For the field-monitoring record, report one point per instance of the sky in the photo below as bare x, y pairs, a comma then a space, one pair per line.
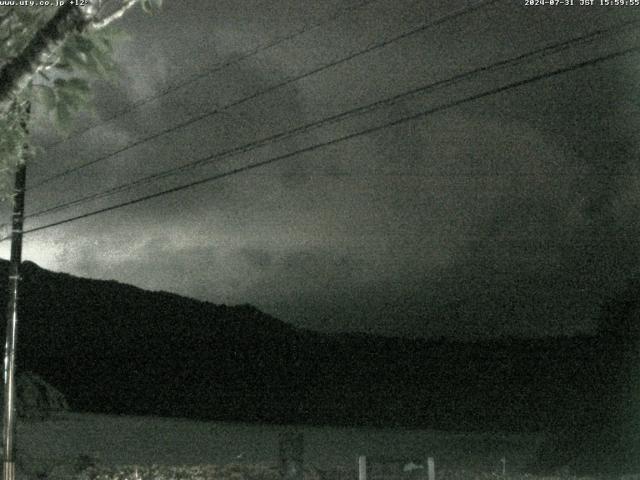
513, 214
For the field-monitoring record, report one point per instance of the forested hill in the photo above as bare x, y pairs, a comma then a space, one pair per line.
119, 349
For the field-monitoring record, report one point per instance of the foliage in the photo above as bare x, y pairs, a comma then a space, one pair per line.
60, 86
18, 26
265, 472
184, 472
13, 143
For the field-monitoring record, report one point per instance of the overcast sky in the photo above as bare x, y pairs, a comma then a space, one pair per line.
513, 214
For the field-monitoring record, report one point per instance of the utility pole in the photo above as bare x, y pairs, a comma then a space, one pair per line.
9, 416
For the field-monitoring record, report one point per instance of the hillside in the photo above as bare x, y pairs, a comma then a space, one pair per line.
114, 348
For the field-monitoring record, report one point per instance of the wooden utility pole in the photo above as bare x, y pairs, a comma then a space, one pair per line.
9, 416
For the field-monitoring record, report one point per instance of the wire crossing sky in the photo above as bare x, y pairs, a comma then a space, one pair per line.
303, 128
460, 168
193, 78
311, 148
269, 89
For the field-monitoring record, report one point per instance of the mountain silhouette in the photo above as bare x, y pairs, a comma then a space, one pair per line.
115, 348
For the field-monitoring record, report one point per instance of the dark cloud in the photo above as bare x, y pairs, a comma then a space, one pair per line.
514, 214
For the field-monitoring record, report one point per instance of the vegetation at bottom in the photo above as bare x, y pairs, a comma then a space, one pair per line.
266, 472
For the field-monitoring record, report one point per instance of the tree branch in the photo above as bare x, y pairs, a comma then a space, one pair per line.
69, 18
15, 74
126, 5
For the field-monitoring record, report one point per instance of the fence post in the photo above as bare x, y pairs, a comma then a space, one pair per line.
291, 456
362, 467
431, 468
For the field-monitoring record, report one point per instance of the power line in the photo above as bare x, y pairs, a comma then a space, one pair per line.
555, 47
272, 88
317, 146
219, 66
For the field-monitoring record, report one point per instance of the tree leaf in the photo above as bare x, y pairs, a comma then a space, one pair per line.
46, 96
72, 56
64, 66
79, 84
84, 44
63, 116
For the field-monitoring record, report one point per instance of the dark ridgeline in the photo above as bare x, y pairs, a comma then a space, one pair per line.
114, 348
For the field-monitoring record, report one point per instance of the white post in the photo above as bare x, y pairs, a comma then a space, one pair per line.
362, 467
431, 468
